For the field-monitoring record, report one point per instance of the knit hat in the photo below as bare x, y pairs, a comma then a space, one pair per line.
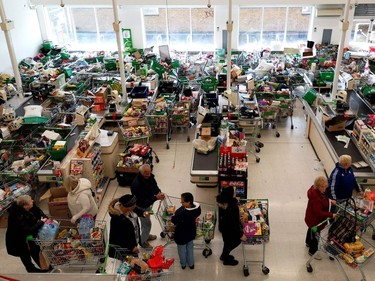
128, 200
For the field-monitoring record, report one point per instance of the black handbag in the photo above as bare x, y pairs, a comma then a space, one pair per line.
344, 228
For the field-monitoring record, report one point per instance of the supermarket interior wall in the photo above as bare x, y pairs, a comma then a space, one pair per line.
26, 35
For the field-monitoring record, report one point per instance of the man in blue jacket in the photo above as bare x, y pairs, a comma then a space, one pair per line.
147, 191
342, 180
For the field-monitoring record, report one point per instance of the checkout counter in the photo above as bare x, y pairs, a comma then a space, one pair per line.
204, 167
325, 143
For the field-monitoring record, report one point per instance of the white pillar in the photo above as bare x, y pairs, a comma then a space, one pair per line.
229, 44
116, 27
6, 26
344, 28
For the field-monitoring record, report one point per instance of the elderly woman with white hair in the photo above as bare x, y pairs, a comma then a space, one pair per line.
24, 220
80, 199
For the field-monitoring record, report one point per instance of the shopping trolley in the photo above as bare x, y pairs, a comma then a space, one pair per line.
134, 129
269, 109
70, 250
205, 223
157, 117
355, 258
130, 267
254, 217
286, 105
179, 116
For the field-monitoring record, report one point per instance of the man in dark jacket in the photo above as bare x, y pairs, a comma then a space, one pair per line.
342, 180
146, 189
24, 220
124, 227
186, 228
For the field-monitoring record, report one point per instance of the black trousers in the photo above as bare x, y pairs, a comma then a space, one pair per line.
228, 247
312, 241
32, 253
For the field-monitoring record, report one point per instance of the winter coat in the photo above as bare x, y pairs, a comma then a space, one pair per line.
341, 183
230, 224
317, 208
184, 220
81, 201
22, 223
145, 190
122, 232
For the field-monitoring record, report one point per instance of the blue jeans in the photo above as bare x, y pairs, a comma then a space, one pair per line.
185, 252
145, 228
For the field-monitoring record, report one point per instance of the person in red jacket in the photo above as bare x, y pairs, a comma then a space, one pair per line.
317, 211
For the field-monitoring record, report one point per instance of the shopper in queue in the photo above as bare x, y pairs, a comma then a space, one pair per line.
147, 191
80, 198
124, 226
229, 224
342, 180
24, 219
317, 211
186, 228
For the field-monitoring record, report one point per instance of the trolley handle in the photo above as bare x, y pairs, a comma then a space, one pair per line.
314, 229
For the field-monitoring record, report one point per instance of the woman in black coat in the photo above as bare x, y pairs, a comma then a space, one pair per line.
124, 226
24, 220
229, 224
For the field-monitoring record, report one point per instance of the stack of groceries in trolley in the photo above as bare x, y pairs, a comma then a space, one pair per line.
205, 223
254, 218
151, 264
64, 244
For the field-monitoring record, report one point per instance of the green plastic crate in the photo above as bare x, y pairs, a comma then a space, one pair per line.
209, 84
59, 154
310, 96
327, 75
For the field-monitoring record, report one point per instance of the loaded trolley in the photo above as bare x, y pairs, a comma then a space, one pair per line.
269, 109
157, 117
134, 129
205, 223
154, 264
254, 218
354, 254
286, 105
66, 246
179, 116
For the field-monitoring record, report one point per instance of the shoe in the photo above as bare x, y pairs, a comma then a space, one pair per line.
191, 266
230, 257
318, 257
183, 267
230, 262
146, 245
151, 237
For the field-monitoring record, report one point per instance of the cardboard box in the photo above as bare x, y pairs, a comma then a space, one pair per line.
4, 221
336, 127
57, 203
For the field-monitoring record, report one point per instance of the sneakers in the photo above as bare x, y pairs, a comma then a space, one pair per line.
231, 262
191, 266
183, 266
151, 237
146, 245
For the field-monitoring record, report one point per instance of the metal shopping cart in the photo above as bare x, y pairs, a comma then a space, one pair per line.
127, 268
134, 129
205, 224
343, 255
269, 109
70, 250
254, 216
179, 116
286, 105
157, 117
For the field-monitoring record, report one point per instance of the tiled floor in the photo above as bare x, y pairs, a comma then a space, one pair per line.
287, 169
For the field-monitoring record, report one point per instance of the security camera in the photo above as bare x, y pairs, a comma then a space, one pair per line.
62, 5
208, 5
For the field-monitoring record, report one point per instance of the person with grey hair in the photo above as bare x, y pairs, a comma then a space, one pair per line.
342, 180
147, 191
24, 220
80, 199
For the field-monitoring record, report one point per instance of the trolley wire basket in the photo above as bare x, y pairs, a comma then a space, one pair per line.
206, 223
143, 266
69, 249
